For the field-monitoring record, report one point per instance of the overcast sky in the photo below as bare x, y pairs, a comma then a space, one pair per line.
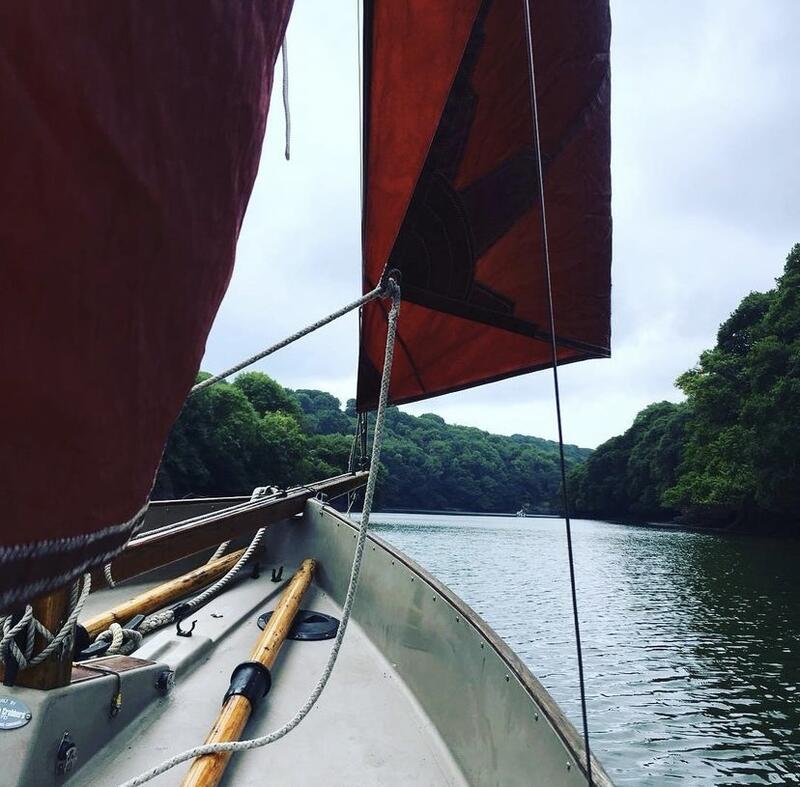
706, 204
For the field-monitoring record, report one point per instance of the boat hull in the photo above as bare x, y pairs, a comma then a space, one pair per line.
424, 692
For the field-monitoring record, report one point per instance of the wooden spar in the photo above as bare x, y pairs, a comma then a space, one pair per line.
207, 771
160, 548
163, 594
52, 611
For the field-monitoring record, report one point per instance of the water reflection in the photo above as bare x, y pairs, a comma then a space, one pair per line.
691, 640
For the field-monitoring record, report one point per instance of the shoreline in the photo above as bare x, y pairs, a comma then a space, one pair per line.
693, 527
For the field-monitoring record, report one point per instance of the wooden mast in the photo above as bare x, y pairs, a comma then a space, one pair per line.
207, 771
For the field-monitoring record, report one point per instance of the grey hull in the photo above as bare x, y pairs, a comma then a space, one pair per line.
424, 692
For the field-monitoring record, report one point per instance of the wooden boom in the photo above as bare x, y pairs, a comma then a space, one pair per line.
207, 771
164, 546
163, 594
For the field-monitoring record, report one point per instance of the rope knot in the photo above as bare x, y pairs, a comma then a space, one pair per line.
30, 627
123, 641
390, 284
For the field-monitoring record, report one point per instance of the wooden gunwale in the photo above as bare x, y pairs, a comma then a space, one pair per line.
167, 545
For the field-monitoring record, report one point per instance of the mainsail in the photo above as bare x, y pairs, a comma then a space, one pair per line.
451, 194
130, 141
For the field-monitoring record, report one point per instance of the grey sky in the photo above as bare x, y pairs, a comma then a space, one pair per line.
705, 128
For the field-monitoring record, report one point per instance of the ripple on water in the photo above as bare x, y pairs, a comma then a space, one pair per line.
691, 640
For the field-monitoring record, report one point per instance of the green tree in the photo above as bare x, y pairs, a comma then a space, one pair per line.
743, 452
231, 438
627, 475
214, 447
268, 396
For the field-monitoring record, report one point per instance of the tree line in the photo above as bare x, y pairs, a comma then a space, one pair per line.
730, 453
232, 437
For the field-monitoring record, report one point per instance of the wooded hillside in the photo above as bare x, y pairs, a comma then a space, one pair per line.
233, 437
730, 453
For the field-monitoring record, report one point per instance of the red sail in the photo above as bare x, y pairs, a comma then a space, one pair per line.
130, 140
452, 196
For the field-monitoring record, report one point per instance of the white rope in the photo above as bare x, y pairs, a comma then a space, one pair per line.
31, 627
234, 746
107, 574
258, 492
123, 641
126, 641
224, 581
287, 116
219, 552
370, 296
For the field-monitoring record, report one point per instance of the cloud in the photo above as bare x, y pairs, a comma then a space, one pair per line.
706, 196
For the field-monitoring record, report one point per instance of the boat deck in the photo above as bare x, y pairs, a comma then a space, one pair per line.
366, 727
423, 693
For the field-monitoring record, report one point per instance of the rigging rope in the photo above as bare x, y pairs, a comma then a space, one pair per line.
378, 292
124, 641
245, 745
554, 351
286, 115
109, 576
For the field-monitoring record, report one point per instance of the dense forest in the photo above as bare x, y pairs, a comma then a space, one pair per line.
730, 453
235, 436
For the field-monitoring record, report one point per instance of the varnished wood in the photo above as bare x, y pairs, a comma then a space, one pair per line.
52, 611
207, 771
160, 596
152, 550
274, 634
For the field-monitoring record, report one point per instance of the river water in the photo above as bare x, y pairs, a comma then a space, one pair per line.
691, 641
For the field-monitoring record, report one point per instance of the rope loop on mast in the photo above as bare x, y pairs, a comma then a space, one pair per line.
30, 627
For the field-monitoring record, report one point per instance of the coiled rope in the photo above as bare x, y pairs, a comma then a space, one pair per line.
30, 627
255, 743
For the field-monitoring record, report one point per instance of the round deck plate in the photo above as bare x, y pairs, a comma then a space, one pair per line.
14, 713
308, 625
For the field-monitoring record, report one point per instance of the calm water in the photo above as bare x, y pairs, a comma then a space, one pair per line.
691, 640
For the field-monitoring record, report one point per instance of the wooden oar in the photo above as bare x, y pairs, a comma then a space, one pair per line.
160, 596
250, 678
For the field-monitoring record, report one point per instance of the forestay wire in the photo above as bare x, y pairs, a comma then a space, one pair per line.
390, 288
554, 351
